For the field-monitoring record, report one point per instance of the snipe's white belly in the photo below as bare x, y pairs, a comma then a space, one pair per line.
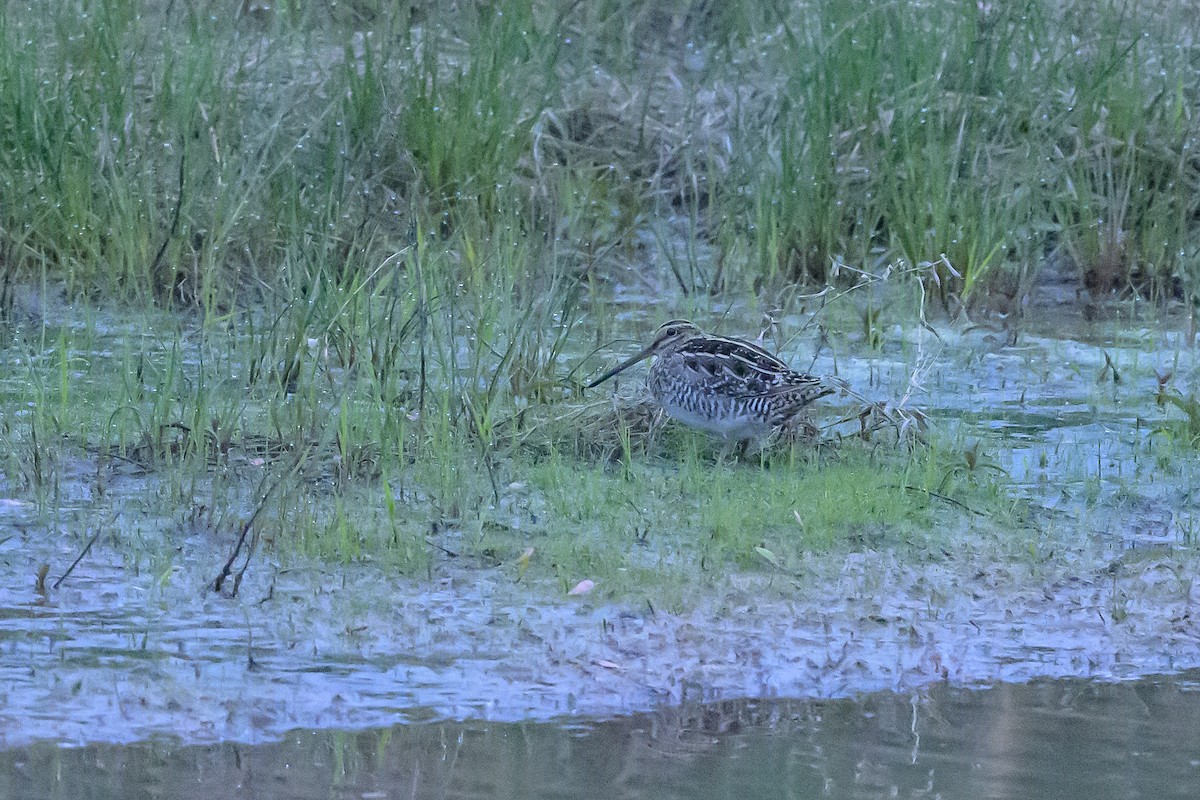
728, 422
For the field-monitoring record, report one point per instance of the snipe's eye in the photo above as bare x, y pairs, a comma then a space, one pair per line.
672, 331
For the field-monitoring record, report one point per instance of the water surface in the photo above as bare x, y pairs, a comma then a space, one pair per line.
1058, 740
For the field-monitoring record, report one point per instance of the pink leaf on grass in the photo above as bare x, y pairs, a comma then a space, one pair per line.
583, 587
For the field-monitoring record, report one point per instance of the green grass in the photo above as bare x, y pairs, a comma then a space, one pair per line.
156, 154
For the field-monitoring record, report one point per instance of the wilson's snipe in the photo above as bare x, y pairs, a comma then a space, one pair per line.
728, 387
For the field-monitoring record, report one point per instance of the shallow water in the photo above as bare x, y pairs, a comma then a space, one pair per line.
1057, 740
1050, 416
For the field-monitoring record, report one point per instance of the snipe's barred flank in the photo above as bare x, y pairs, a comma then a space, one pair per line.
724, 386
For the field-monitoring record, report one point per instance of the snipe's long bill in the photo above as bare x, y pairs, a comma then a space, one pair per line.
728, 387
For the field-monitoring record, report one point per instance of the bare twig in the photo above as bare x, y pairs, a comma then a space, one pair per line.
944, 498
91, 541
247, 526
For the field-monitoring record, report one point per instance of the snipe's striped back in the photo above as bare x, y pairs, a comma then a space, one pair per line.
724, 386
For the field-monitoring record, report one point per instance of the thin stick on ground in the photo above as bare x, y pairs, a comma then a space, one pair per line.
91, 541
244, 534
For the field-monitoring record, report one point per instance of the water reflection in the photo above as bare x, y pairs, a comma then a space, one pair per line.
1053, 739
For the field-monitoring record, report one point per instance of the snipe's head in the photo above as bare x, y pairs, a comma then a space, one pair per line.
669, 335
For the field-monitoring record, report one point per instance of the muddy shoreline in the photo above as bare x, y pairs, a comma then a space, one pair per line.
472, 645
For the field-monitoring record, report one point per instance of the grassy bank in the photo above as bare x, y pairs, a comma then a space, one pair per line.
114, 425
157, 152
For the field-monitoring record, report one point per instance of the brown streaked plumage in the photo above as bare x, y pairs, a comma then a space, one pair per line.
724, 386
